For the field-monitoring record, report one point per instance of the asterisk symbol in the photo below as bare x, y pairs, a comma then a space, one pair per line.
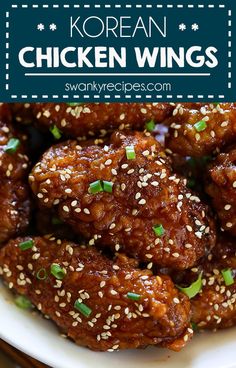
195, 27
53, 27
40, 27
182, 27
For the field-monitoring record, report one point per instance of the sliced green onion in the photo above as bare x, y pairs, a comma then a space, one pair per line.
82, 308
133, 296
55, 132
22, 302
56, 221
193, 289
194, 326
12, 145
107, 186
200, 125
42, 274
130, 152
26, 244
96, 187
150, 125
158, 230
191, 183
74, 103
57, 271
228, 276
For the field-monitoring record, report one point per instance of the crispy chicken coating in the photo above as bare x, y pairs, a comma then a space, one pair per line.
90, 119
198, 129
101, 304
221, 186
215, 306
139, 205
14, 195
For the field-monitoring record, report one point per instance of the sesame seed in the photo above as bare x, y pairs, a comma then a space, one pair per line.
86, 211
68, 190
108, 162
142, 202
188, 246
155, 183
113, 292
66, 209
117, 247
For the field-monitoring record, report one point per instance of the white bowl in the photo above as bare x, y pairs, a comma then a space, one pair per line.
39, 338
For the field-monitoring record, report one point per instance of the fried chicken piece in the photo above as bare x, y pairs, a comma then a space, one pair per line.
90, 119
215, 306
216, 127
144, 209
221, 186
101, 304
14, 194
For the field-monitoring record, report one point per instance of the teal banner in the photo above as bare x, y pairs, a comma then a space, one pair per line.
117, 50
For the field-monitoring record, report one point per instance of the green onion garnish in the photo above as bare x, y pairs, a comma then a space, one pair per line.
107, 186
191, 183
133, 296
12, 145
193, 289
130, 152
82, 308
228, 276
194, 326
96, 187
200, 126
22, 302
42, 274
57, 271
150, 125
56, 221
55, 132
26, 244
159, 230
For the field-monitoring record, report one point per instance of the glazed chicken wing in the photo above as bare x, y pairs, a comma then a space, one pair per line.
215, 306
221, 186
90, 119
125, 196
101, 304
14, 196
198, 129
